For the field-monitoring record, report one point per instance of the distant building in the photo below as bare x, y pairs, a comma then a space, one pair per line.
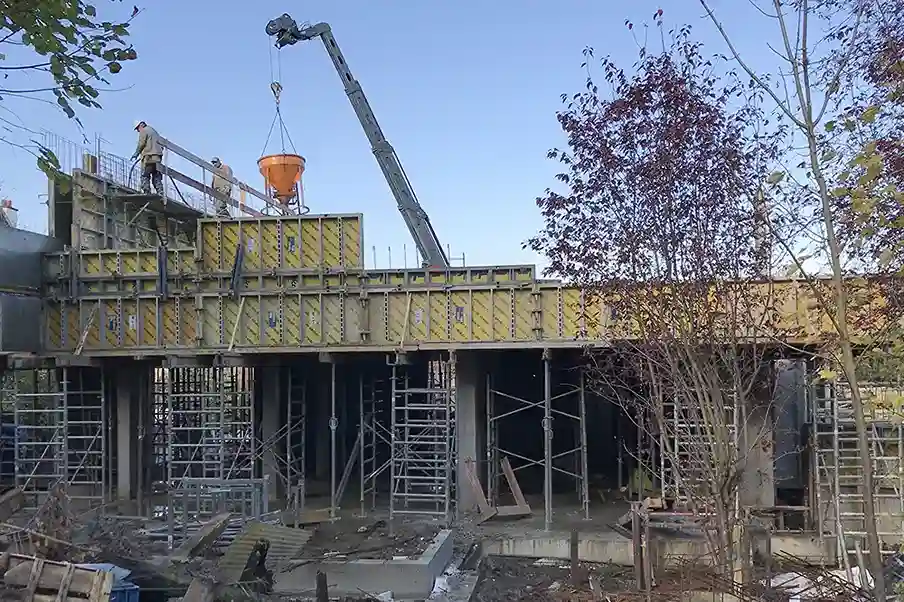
9, 215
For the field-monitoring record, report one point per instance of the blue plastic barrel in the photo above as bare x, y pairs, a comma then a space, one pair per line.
123, 590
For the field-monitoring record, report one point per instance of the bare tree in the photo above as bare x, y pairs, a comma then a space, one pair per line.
838, 87
663, 221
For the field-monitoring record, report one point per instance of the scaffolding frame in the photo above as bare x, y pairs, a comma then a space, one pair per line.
422, 450
61, 435
682, 432
296, 438
375, 437
548, 404
211, 445
837, 470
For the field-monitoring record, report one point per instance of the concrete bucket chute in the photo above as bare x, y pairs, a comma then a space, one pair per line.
282, 171
282, 175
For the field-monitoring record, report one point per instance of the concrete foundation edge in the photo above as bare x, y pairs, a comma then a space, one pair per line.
405, 578
618, 550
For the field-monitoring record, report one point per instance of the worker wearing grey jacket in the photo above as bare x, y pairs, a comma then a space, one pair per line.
222, 184
151, 153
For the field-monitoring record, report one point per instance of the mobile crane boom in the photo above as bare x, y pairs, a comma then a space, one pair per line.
287, 33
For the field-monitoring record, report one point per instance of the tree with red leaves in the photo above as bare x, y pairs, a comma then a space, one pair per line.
664, 219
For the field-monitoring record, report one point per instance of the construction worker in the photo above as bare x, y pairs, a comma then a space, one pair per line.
151, 153
222, 184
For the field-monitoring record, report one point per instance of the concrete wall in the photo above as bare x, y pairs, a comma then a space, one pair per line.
20, 288
20, 323
20, 259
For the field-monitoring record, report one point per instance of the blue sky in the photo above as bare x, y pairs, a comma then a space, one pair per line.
465, 91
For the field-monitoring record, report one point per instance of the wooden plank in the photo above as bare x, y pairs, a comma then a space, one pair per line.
521, 507
200, 590
486, 512
63, 592
11, 501
513, 485
48, 575
204, 538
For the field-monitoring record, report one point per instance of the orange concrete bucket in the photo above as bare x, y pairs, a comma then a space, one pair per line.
281, 174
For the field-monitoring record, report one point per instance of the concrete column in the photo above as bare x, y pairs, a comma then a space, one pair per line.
758, 480
126, 382
470, 407
757, 487
789, 402
271, 419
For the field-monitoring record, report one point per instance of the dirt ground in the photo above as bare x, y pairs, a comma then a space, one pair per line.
367, 538
545, 580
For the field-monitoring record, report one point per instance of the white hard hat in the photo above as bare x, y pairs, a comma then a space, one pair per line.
138, 123
215, 160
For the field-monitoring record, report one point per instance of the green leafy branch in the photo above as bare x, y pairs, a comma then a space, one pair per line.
76, 46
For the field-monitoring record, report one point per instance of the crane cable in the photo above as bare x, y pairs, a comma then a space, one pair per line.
276, 88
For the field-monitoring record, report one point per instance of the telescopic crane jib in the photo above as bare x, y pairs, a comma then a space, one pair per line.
287, 33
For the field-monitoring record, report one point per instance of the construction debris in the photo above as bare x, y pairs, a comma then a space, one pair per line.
33, 579
260, 544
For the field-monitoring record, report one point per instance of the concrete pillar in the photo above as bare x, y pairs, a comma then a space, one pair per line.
789, 402
757, 486
470, 420
271, 420
126, 383
758, 480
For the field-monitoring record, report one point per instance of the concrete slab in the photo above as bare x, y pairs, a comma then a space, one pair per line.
406, 578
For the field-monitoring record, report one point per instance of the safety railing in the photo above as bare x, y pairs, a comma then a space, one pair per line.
187, 177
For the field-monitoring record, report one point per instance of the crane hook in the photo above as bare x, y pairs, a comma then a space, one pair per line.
276, 88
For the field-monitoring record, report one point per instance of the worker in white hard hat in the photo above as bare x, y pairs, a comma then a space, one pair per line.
222, 185
151, 153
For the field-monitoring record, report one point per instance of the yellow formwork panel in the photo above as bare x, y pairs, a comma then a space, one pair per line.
116, 264
468, 276
282, 243
388, 319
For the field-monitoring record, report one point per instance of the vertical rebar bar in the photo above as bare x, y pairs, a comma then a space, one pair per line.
547, 441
